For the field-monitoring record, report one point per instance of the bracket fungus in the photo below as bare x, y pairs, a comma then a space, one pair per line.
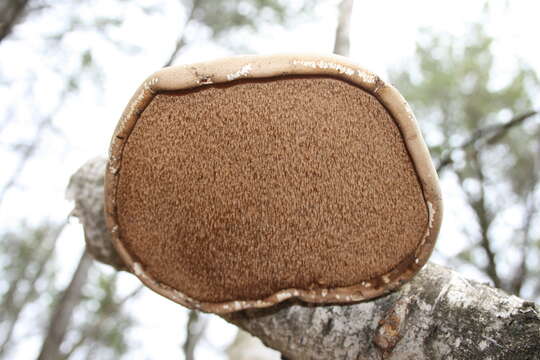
243, 182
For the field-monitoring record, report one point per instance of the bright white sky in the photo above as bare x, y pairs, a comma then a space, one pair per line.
383, 36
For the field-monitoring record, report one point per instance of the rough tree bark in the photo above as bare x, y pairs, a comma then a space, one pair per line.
437, 315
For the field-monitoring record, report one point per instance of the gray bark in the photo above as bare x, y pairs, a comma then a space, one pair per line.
437, 315
86, 189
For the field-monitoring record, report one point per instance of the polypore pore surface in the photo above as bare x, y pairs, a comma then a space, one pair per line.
240, 190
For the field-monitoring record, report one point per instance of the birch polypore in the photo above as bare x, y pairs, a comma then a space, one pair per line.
243, 182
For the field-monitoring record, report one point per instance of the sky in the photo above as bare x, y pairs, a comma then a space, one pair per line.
383, 37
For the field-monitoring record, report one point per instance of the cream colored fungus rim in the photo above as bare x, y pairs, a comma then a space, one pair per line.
255, 67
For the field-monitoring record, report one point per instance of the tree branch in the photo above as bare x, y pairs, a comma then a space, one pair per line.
30, 149
522, 270
485, 219
181, 41
531, 210
485, 136
436, 315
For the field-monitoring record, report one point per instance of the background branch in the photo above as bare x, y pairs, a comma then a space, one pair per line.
30, 149
181, 40
488, 135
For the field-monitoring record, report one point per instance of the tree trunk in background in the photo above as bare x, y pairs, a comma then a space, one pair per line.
63, 312
437, 315
341, 44
11, 12
195, 327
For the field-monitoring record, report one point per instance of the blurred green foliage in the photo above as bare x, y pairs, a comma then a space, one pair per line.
28, 269
462, 95
101, 327
29, 286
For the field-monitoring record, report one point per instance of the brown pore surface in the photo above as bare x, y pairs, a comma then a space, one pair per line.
237, 191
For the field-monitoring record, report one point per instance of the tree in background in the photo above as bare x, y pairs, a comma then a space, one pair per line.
484, 133
30, 272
